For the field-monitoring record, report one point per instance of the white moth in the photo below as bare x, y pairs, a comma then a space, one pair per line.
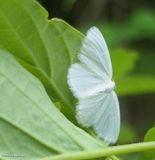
91, 83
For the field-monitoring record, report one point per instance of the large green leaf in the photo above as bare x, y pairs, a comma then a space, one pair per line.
45, 46
30, 124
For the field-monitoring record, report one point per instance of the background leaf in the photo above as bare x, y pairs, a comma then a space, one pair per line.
127, 134
129, 75
123, 62
150, 136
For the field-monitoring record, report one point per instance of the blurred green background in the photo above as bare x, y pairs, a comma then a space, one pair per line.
129, 30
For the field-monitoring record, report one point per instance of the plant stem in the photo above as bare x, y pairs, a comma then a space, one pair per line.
113, 158
114, 150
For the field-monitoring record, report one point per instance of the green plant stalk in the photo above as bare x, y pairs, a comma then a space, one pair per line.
114, 150
113, 158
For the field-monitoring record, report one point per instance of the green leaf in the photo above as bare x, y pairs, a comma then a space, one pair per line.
136, 84
130, 80
145, 64
150, 136
30, 124
127, 134
123, 62
47, 47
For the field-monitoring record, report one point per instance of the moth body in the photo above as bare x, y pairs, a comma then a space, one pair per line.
109, 87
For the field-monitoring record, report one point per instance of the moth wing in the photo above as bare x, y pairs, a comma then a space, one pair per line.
94, 53
107, 125
83, 82
102, 113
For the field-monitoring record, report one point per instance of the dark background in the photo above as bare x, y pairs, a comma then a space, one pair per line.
79, 12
